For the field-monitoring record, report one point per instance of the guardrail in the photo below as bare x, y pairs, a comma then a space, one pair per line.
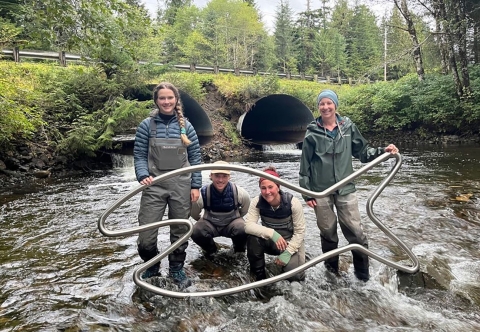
215, 293
64, 57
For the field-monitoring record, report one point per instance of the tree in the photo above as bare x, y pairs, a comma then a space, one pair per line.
234, 30
187, 21
251, 3
8, 8
307, 27
172, 7
399, 46
284, 39
330, 52
340, 21
417, 51
452, 24
364, 44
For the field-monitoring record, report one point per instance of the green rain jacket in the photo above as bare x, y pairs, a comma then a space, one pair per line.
326, 160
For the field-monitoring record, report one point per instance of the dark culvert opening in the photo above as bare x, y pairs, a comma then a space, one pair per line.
275, 119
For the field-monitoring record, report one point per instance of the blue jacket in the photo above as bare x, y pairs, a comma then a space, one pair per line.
165, 130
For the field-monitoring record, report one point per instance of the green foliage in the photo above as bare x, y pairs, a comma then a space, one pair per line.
19, 99
191, 83
95, 131
436, 101
79, 141
121, 116
248, 88
233, 30
79, 110
8, 32
408, 105
471, 103
284, 37
231, 133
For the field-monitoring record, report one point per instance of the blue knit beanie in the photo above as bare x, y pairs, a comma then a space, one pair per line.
328, 94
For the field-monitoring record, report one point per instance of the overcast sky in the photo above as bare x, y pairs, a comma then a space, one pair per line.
266, 7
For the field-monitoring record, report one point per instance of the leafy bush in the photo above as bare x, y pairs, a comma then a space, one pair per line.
231, 133
19, 100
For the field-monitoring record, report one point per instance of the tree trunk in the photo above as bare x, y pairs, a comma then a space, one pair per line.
443, 16
461, 34
476, 43
417, 52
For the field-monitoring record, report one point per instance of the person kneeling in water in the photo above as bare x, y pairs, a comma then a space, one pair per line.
281, 232
224, 204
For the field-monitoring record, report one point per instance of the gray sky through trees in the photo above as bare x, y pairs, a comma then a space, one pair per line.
267, 8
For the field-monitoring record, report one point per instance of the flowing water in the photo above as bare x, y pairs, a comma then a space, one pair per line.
58, 273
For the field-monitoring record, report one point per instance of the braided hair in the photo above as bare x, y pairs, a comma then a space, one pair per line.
178, 109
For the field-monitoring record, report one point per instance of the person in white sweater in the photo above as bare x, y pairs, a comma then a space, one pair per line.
281, 231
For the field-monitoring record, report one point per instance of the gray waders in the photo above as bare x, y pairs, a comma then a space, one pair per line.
165, 155
214, 224
258, 247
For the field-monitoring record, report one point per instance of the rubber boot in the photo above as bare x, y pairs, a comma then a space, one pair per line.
332, 266
178, 275
152, 271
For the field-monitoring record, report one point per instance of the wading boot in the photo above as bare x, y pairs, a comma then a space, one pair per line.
152, 271
332, 267
362, 274
178, 275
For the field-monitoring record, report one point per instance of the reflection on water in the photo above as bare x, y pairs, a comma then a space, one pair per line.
59, 273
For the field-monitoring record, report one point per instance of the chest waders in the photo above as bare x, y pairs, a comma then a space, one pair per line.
226, 221
164, 155
281, 221
221, 219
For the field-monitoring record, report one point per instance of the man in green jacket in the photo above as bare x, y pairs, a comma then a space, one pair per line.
329, 144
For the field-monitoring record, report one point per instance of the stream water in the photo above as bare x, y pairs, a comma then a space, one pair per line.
58, 273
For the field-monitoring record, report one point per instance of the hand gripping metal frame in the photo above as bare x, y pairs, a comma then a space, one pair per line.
137, 272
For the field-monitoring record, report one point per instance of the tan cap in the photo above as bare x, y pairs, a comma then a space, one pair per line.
223, 171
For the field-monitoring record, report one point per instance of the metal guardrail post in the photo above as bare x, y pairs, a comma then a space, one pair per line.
138, 271
62, 59
16, 54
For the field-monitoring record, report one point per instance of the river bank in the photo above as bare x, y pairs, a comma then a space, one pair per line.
37, 158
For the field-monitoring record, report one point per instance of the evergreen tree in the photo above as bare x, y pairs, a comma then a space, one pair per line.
8, 9
307, 27
342, 17
234, 30
399, 60
285, 46
172, 7
364, 45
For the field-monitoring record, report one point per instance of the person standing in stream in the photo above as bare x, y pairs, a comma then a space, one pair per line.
329, 144
166, 141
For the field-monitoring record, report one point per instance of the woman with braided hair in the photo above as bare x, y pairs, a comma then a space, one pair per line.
166, 141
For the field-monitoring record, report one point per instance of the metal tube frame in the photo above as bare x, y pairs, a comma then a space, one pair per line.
137, 272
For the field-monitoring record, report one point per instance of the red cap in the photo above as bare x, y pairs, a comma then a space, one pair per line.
271, 172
